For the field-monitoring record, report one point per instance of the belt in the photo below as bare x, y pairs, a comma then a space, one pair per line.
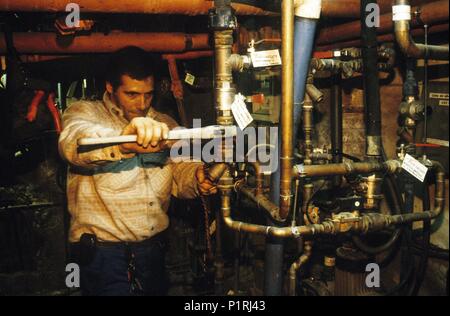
158, 238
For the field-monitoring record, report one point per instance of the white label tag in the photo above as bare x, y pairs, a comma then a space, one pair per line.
443, 102
434, 95
190, 79
401, 13
240, 112
266, 58
415, 168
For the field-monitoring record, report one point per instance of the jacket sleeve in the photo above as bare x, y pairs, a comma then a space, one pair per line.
185, 184
81, 120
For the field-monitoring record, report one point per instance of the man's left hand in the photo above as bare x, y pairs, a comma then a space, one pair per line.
205, 185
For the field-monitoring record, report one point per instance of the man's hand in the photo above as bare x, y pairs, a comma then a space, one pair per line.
151, 136
205, 185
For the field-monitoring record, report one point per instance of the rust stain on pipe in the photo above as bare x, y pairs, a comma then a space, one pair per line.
184, 7
50, 43
431, 13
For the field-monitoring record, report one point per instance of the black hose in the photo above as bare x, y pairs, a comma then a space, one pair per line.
370, 70
426, 235
407, 256
398, 209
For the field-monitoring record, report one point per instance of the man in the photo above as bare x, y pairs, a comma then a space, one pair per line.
118, 195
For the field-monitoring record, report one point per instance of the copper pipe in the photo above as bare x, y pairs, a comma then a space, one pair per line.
385, 38
345, 168
259, 176
189, 55
307, 110
341, 223
376, 221
191, 7
330, 8
224, 88
50, 43
261, 201
287, 109
296, 265
431, 13
412, 49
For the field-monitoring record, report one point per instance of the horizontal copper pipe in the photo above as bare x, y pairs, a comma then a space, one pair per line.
438, 28
183, 7
345, 168
366, 223
50, 43
431, 13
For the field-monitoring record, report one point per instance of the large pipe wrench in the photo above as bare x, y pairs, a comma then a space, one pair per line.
208, 132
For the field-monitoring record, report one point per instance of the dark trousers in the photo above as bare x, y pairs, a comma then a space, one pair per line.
122, 269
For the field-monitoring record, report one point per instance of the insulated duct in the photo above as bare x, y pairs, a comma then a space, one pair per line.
51, 43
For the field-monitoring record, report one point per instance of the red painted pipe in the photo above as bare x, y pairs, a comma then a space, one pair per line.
182, 7
50, 43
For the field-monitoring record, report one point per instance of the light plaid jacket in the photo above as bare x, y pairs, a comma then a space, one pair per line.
129, 204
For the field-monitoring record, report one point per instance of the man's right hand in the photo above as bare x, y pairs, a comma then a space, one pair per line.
151, 136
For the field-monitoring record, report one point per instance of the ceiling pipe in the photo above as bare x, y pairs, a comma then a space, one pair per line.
331, 8
430, 13
50, 43
182, 7
350, 8
439, 28
401, 17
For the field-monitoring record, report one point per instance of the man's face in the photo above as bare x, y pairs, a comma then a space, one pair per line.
133, 96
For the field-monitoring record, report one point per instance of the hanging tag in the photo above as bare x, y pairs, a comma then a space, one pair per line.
414, 167
189, 79
240, 112
266, 58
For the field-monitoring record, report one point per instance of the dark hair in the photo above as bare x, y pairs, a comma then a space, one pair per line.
132, 61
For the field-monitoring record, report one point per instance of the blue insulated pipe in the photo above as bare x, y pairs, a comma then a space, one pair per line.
304, 32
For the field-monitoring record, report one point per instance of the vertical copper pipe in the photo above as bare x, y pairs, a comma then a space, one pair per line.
296, 265
308, 128
225, 90
287, 110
